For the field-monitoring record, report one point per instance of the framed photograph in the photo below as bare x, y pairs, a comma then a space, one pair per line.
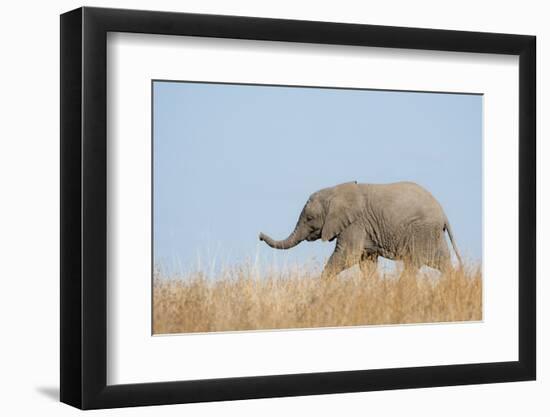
257, 208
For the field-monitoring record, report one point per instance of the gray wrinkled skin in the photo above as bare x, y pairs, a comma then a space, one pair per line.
400, 221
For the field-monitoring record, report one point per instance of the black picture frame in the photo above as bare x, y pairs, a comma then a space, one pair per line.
84, 208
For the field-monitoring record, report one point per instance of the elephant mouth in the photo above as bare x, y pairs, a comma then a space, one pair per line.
314, 236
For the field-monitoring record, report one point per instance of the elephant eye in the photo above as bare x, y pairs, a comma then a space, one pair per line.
308, 218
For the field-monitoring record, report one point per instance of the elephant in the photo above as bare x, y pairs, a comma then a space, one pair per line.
399, 221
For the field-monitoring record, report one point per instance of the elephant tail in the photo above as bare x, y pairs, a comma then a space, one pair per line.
447, 227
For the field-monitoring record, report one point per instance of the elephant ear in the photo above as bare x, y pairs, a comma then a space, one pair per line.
344, 207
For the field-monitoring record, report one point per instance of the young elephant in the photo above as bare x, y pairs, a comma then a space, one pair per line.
399, 221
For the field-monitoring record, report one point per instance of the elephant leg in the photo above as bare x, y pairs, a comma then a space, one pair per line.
350, 245
340, 261
425, 248
410, 268
442, 259
368, 264
411, 265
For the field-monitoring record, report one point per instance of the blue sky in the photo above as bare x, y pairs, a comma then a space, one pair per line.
233, 160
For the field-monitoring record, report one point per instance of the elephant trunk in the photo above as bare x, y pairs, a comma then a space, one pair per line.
287, 243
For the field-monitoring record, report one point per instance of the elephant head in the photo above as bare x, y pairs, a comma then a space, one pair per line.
326, 214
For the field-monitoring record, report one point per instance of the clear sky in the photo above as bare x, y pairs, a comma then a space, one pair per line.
233, 160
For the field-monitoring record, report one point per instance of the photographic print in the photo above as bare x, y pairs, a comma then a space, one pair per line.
295, 207
313, 193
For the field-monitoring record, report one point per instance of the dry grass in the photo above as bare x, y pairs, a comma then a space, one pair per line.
241, 300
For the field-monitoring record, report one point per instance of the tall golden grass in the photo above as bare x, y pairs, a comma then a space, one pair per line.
243, 300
